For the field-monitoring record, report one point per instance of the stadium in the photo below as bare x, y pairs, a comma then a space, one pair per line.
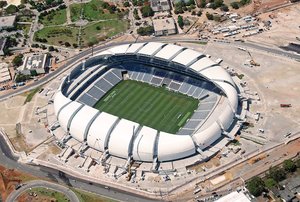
149, 102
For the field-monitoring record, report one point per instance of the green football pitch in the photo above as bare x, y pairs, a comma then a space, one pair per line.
147, 105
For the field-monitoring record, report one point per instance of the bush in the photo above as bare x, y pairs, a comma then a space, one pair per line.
224, 8
126, 4
180, 21
277, 174
235, 5
256, 186
147, 11
289, 165
199, 13
51, 48
270, 182
18, 60
209, 16
144, 31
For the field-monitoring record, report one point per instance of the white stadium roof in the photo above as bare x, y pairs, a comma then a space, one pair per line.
104, 131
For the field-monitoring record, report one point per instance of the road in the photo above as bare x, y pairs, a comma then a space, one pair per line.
48, 185
88, 52
8, 160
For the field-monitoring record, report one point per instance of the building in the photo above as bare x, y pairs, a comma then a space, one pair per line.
2, 45
235, 196
160, 5
36, 64
181, 70
164, 26
4, 73
7, 22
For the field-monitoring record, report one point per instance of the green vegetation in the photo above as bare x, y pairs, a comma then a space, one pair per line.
56, 35
22, 78
147, 11
275, 174
11, 9
40, 191
289, 166
18, 60
93, 10
151, 106
54, 17
209, 16
144, 31
86, 196
238, 4
180, 21
256, 186
102, 30
136, 14
31, 94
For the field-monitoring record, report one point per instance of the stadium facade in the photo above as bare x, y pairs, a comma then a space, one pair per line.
179, 69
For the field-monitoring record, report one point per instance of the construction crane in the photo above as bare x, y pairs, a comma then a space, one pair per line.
252, 62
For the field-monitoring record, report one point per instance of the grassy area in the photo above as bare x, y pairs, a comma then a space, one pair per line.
31, 94
24, 27
101, 30
91, 11
86, 196
42, 192
24, 18
57, 35
151, 106
56, 17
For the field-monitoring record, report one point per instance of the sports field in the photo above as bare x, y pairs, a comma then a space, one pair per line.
151, 106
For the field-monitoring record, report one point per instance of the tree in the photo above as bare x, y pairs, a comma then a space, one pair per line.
276, 173
67, 44
218, 3
50, 48
18, 60
3, 4
180, 21
270, 182
235, 5
199, 13
224, 8
209, 16
203, 4
126, 4
147, 11
289, 165
144, 31
11, 9
256, 186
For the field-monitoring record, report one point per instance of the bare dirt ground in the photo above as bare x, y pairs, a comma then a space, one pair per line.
9, 178
285, 26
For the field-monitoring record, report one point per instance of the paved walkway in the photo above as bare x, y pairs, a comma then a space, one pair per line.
40, 183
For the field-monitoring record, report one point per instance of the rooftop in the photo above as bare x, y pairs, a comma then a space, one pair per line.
7, 21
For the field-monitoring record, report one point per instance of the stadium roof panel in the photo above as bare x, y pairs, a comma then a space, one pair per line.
120, 138
150, 48
186, 56
202, 64
99, 130
119, 49
144, 144
66, 114
81, 121
167, 143
168, 51
134, 47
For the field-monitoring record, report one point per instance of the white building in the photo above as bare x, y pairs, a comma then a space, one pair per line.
35, 63
160, 5
164, 26
2, 45
7, 22
4, 73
